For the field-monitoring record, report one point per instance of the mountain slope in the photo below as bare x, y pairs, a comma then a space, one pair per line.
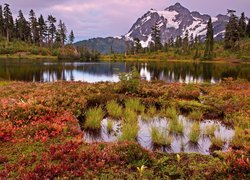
103, 45
173, 22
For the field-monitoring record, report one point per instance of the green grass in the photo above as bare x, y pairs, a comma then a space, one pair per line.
176, 127
194, 134
114, 109
135, 105
130, 116
3, 83
94, 116
110, 125
209, 130
160, 138
171, 113
217, 141
129, 132
196, 115
151, 111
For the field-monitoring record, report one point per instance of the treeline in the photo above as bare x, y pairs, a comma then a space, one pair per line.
237, 29
39, 31
49, 34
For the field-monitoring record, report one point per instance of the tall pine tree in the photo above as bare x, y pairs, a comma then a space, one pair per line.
232, 34
34, 27
208, 54
71, 37
242, 25
42, 28
51, 29
156, 36
1, 22
61, 32
8, 21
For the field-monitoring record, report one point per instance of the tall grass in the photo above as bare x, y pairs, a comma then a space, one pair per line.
194, 134
160, 138
209, 130
110, 126
114, 109
176, 127
130, 116
129, 132
151, 111
135, 105
217, 141
196, 115
94, 116
172, 114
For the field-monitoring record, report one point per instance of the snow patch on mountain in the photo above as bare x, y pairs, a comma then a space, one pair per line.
173, 22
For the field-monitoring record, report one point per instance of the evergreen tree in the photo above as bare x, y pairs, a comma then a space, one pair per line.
51, 29
242, 25
34, 27
42, 28
248, 29
232, 34
1, 22
8, 21
71, 37
209, 43
156, 36
138, 46
196, 46
185, 45
62, 30
21, 27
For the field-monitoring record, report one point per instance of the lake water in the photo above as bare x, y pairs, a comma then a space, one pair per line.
180, 143
24, 70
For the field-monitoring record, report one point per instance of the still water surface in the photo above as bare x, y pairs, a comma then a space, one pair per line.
22, 70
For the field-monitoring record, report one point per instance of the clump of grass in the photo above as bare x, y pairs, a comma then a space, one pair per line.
94, 116
217, 141
151, 112
194, 134
129, 132
209, 130
176, 127
196, 115
135, 105
130, 116
110, 126
114, 109
171, 113
160, 138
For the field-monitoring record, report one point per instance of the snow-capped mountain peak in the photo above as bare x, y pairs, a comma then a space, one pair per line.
173, 22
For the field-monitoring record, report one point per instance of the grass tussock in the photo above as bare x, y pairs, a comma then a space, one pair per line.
94, 117
151, 111
114, 109
129, 132
171, 113
135, 105
160, 137
110, 126
210, 130
194, 134
196, 115
130, 117
176, 127
217, 141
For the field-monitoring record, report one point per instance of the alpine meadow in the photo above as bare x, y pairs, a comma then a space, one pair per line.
85, 95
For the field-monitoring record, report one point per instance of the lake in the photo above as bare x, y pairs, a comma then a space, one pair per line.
188, 72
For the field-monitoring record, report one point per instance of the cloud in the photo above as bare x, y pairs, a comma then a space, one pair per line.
94, 18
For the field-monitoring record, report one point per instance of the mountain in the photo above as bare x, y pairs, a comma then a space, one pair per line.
173, 22
103, 45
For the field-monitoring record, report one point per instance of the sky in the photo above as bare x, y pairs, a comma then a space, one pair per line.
103, 18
